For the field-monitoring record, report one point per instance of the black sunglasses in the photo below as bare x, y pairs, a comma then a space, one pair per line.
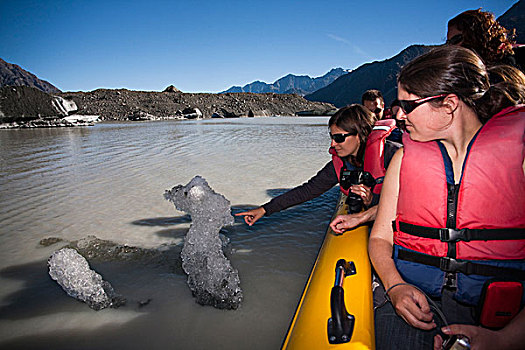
340, 138
455, 40
409, 105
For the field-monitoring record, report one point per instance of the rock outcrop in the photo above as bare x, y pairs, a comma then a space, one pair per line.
14, 75
24, 106
125, 104
171, 88
23, 103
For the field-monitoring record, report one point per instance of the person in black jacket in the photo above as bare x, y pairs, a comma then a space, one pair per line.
349, 128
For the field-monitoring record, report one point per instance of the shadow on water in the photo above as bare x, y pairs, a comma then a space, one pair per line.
136, 273
274, 192
167, 221
313, 216
173, 232
40, 295
163, 221
41, 298
317, 211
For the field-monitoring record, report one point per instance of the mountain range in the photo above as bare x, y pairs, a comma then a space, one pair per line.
291, 84
339, 86
515, 18
14, 75
381, 75
376, 75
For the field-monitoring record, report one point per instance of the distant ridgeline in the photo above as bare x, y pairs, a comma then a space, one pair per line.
14, 75
347, 87
382, 75
339, 87
376, 75
515, 18
27, 101
291, 84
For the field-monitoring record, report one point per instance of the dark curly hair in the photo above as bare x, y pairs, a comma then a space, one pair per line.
483, 34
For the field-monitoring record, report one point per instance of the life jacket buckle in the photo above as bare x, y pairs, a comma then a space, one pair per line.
452, 265
452, 235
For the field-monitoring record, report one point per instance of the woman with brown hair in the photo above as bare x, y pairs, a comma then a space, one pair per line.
451, 213
349, 128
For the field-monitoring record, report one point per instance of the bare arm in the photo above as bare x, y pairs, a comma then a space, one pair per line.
408, 302
381, 237
346, 222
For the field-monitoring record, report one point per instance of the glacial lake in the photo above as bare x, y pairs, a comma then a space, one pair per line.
108, 181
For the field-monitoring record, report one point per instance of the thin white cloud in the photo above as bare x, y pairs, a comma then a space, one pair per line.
354, 47
338, 38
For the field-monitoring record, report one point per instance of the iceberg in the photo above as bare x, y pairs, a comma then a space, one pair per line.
72, 272
211, 277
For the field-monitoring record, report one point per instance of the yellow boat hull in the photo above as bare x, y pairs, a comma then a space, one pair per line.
309, 326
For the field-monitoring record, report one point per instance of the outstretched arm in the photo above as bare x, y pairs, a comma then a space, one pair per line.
324, 180
251, 216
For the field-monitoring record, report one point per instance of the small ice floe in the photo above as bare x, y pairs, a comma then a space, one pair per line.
72, 272
79, 119
211, 277
243, 251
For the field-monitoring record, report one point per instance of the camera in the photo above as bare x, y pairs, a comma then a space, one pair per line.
355, 177
456, 342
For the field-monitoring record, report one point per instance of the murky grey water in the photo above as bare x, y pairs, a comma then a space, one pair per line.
108, 181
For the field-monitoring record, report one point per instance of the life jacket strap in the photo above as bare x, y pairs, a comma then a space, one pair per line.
465, 234
466, 267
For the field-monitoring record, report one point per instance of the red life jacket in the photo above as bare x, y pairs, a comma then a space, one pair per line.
457, 228
338, 165
375, 151
374, 161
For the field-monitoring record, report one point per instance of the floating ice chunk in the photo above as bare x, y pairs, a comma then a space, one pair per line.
72, 272
211, 278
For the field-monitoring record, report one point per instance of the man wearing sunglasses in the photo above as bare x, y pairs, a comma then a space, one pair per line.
373, 100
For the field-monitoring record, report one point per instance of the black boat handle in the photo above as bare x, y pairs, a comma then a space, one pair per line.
341, 324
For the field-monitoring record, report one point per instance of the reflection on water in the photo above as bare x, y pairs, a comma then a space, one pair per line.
108, 181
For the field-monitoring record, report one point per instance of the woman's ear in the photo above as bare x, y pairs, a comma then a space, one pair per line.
451, 103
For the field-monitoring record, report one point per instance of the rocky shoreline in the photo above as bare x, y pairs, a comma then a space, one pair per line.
125, 104
27, 107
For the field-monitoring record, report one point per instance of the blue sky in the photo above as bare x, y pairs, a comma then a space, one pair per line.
208, 46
